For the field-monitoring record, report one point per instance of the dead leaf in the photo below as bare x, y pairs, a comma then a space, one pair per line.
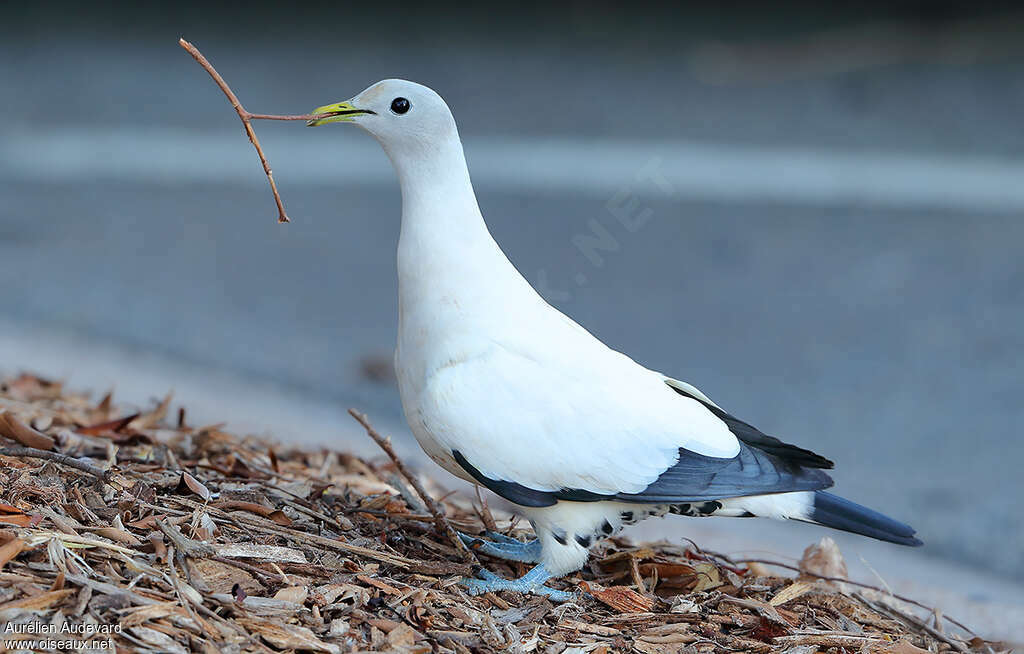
9, 550
666, 570
906, 647
708, 577
118, 535
297, 594
11, 427
251, 507
188, 483
114, 426
154, 417
280, 518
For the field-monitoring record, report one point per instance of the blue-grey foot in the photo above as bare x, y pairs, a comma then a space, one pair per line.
532, 582
505, 547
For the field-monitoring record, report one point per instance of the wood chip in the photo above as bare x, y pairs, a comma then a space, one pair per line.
263, 552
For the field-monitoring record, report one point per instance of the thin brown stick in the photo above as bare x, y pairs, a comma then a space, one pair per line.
253, 116
246, 117
913, 621
440, 521
883, 591
485, 512
56, 457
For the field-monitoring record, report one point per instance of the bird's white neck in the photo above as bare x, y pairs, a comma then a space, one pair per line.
438, 203
452, 276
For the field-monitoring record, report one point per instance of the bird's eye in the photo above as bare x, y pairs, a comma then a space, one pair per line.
400, 106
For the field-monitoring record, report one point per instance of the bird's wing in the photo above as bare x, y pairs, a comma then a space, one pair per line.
537, 431
764, 465
552, 427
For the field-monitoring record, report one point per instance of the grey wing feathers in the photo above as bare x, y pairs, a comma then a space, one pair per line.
764, 465
752, 472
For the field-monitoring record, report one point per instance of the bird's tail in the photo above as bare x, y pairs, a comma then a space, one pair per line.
833, 511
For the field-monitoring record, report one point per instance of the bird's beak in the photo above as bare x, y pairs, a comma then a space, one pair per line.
339, 112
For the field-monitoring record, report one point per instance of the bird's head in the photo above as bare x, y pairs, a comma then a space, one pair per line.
400, 114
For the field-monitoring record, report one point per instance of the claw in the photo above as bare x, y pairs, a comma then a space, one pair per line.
487, 575
531, 582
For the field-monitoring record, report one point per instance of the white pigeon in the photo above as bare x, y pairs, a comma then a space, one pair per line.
503, 390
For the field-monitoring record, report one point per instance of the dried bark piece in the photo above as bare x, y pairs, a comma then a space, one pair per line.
621, 598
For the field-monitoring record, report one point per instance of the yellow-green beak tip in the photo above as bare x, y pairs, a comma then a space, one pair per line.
339, 112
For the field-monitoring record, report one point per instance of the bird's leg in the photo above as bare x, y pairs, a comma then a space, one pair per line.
531, 582
505, 547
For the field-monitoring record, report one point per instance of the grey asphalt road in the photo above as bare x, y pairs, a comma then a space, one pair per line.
886, 337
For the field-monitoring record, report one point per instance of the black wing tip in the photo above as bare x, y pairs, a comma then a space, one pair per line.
812, 460
756, 438
840, 513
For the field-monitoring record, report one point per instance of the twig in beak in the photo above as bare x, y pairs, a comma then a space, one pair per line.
247, 118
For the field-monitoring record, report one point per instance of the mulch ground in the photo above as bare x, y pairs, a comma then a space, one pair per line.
139, 531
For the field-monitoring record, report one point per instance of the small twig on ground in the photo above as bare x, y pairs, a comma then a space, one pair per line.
247, 117
913, 621
56, 457
440, 521
485, 512
184, 545
877, 589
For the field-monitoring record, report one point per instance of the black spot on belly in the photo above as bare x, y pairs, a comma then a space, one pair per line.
695, 510
627, 516
607, 528
560, 537
584, 541
708, 508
